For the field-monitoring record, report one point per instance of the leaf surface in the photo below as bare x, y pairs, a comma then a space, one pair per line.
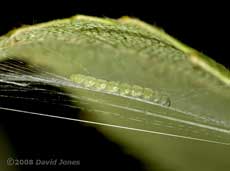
131, 52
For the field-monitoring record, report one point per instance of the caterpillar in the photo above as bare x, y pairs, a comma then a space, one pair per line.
123, 89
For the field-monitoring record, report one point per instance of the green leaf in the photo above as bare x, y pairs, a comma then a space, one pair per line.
119, 59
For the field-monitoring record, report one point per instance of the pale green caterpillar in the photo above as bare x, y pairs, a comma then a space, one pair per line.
121, 89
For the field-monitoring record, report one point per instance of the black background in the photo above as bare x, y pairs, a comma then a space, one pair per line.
204, 26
